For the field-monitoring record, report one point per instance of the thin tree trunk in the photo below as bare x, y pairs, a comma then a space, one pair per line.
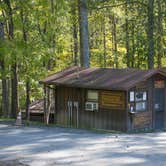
104, 44
84, 33
138, 50
127, 35
160, 33
75, 33
133, 46
150, 34
28, 89
45, 104
48, 111
75, 37
114, 42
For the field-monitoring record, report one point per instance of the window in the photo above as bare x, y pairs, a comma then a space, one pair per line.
140, 106
140, 96
138, 101
92, 95
132, 96
91, 103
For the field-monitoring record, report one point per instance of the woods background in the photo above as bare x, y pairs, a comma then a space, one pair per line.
39, 37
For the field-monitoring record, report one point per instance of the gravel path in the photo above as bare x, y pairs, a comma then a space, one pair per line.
48, 146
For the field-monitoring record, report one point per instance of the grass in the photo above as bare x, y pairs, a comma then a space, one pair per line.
24, 122
40, 124
7, 120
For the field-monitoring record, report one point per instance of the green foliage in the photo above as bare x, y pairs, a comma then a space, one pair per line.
48, 47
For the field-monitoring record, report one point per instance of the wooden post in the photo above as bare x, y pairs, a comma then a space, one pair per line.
48, 110
151, 101
55, 105
165, 107
45, 103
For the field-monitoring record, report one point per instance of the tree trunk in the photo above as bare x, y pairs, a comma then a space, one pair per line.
75, 33
14, 79
52, 61
133, 45
150, 34
28, 89
114, 41
48, 111
45, 104
84, 33
127, 35
28, 86
75, 39
160, 33
104, 44
5, 99
138, 50
14, 91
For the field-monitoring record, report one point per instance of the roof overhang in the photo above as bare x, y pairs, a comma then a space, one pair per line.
132, 83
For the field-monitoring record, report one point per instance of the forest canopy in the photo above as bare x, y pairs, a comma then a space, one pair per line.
39, 37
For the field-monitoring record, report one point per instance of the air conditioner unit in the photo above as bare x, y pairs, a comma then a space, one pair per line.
91, 106
95, 106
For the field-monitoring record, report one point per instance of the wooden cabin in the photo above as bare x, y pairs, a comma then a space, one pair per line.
110, 99
36, 111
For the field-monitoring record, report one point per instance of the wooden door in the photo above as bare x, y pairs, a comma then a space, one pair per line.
159, 106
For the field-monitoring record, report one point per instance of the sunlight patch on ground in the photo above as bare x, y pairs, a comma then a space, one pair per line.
60, 146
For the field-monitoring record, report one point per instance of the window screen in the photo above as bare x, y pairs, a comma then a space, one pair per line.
92, 95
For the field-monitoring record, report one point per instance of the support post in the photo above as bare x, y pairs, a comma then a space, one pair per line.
45, 103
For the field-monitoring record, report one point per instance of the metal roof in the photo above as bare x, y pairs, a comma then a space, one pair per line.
38, 106
100, 78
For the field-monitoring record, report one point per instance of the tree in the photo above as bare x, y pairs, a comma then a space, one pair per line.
84, 33
5, 99
159, 34
24, 21
74, 31
150, 31
114, 40
42, 37
127, 35
14, 67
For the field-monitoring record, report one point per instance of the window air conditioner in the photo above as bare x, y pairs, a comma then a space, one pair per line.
91, 106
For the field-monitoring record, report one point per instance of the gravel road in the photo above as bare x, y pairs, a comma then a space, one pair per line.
51, 146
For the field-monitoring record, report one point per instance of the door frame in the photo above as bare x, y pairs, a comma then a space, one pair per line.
153, 111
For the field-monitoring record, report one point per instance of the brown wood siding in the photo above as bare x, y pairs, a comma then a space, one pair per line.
159, 77
147, 119
107, 119
142, 120
38, 117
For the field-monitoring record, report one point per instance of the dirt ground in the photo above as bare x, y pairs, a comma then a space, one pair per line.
49, 146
